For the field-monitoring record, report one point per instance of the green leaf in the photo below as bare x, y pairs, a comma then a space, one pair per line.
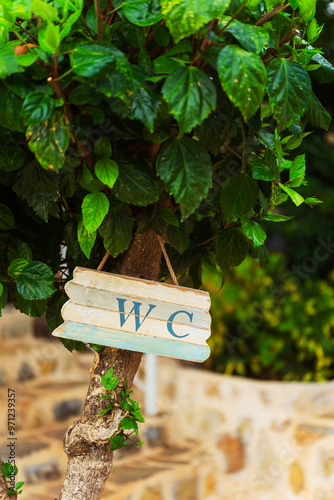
243, 77
136, 184
108, 408
266, 169
129, 423
142, 12
116, 231
185, 17
106, 171
8, 61
53, 314
3, 297
289, 90
86, 240
16, 267
180, 164
295, 197
11, 158
161, 35
19, 485
36, 281
49, 37
178, 237
1, 289
8, 470
21, 8
138, 416
277, 217
95, 60
168, 216
297, 171
312, 201
317, 114
102, 147
44, 10
32, 308
117, 442
252, 38
49, 141
253, 231
95, 207
307, 9
232, 248
191, 96
10, 110
238, 195
109, 381
6, 218
37, 107
38, 187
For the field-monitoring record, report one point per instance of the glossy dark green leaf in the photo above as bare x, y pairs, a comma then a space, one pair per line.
12, 158
297, 171
86, 240
265, 169
16, 267
38, 187
317, 114
178, 237
142, 12
277, 217
180, 164
95, 207
185, 17
136, 184
36, 281
253, 231
37, 107
289, 90
116, 231
6, 218
53, 314
8, 61
32, 308
168, 216
3, 297
238, 195
243, 78
10, 110
191, 96
49, 141
117, 442
232, 248
95, 60
252, 38
102, 147
161, 35
106, 171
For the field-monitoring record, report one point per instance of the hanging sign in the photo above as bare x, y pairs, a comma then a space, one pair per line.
137, 315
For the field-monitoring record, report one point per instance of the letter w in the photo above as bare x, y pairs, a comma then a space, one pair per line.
135, 309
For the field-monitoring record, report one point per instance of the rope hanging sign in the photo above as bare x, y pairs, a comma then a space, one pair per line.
137, 315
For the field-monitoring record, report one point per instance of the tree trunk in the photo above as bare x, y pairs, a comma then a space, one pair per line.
87, 441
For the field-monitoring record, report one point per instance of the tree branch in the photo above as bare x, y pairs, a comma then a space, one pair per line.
99, 20
267, 17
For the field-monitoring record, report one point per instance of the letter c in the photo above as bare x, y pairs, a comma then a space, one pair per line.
170, 323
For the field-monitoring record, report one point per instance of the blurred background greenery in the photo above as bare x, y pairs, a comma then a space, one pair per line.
277, 322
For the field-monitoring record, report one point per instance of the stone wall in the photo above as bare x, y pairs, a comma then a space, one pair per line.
214, 438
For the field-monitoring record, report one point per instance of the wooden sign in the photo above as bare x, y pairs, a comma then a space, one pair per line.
137, 315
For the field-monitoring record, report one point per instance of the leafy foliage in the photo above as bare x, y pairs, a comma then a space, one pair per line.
178, 116
130, 407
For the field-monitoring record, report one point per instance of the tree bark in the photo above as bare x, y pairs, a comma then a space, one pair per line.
87, 441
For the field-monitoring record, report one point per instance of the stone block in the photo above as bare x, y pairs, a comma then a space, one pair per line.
46, 471
151, 493
186, 489
26, 372
306, 434
234, 452
66, 409
297, 480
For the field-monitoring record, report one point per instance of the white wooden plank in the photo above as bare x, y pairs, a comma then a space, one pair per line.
104, 299
135, 287
133, 342
157, 328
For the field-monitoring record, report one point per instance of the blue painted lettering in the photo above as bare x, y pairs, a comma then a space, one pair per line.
135, 309
170, 323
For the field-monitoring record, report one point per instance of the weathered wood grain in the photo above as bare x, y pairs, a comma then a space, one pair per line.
133, 342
